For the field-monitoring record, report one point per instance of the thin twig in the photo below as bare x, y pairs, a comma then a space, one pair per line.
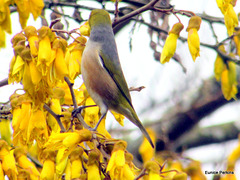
79, 116
134, 13
56, 116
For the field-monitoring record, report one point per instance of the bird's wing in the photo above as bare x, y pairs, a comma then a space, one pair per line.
116, 74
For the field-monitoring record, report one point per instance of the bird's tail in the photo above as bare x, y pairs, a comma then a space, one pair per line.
135, 120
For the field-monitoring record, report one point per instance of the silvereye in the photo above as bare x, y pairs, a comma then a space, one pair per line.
102, 72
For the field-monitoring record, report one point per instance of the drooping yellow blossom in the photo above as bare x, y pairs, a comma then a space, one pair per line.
231, 19
5, 132
93, 172
117, 167
194, 170
35, 74
36, 7
171, 43
23, 11
37, 127
59, 64
222, 5
74, 56
234, 156
193, 38
48, 170
31, 34
146, 150
7, 161
85, 29
69, 139
5, 20
1, 172
76, 162
219, 64
20, 131
61, 161
180, 176
25, 163
153, 171
229, 81
236, 39
91, 114
46, 36
2, 38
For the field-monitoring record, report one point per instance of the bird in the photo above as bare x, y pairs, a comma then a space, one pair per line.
102, 73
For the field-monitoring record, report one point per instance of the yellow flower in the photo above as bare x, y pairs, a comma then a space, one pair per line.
76, 161
85, 29
229, 81
194, 170
60, 67
117, 167
23, 11
5, 130
93, 165
1, 172
46, 36
69, 139
219, 65
222, 5
48, 170
25, 163
74, 56
61, 161
20, 131
5, 20
8, 161
171, 43
2, 38
231, 19
36, 7
146, 150
37, 128
193, 38
234, 156
153, 171
31, 34
236, 39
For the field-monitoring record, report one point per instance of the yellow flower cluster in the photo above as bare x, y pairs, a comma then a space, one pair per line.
170, 45
24, 8
230, 17
226, 72
42, 60
41, 149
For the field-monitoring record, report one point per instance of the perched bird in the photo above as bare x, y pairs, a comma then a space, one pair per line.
102, 72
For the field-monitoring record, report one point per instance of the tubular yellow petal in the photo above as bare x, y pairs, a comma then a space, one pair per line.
231, 19
5, 130
193, 43
36, 7
18, 65
48, 170
146, 150
93, 172
169, 48
85, 29
36, 75
60, 64
228, 82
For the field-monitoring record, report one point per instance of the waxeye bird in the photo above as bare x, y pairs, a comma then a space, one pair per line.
102, 72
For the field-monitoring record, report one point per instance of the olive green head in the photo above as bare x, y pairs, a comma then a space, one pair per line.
99, 17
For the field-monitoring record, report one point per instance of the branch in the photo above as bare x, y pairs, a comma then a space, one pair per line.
208, 135
134, 13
